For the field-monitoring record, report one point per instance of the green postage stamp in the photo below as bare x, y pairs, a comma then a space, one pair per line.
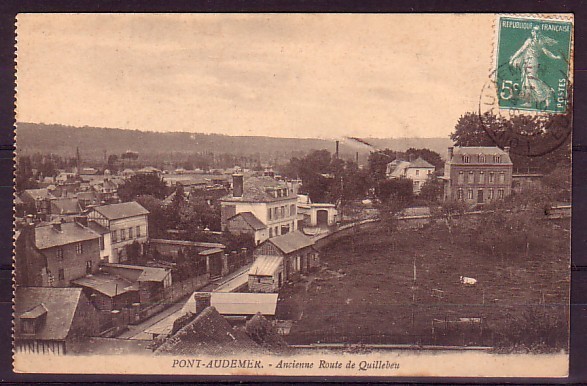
533, 64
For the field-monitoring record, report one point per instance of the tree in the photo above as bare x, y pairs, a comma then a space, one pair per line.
378, 163
142, 184
447, 212
469, 131
397, 189
432, 189
159, 219
428, 155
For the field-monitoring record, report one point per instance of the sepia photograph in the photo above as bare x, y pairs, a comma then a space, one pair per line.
333, 195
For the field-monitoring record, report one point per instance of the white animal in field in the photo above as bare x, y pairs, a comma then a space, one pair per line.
468, 280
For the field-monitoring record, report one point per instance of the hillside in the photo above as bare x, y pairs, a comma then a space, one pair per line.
94, 142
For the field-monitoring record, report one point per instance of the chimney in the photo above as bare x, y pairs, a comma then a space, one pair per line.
411, 157
357, 158
450, 152
336, 154
202, 300
81, 220
237, 185
57, 225
506, 149
295, 186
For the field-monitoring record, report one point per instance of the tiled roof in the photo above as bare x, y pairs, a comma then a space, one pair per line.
291, 242
250, 219
264, 333
235, 303
122, 210
265, 265
475, 151
38, 194
99, 229
65, 206
208, 333
397, 168
153, 274
60, 304
421, 163
109, 285
255, 190
211, 251
71, 232
188, 243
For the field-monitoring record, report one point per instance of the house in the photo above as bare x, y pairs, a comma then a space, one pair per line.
270, 201
278, 259
64, 207
37, 200
51, 320
108, 292
205, 332
236, 308
316, 214
208, 258
151, 281
477, 175
418, 170
237, 305
127, 223
56, 254
105, 239
247, 223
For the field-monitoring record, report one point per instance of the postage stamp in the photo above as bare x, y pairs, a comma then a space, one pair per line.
533, 64
226, 195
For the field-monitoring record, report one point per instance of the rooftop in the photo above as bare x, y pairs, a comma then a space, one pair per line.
109, 285
421, 163
238, 303
188, 243
65, 206
265, 265
476, 151
122, 210
58, 303
38, 194
291, 242
256, 189
208, 333
47, 236
251, 220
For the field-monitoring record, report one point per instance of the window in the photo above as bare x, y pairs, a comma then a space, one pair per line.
130, 233
502, 178
123, 234
417, 172
88, 267
79, 248
460, 194
28, 326
500, 193
491, 177
113, 236
59, 253
471, 177
470, 194
417, 184
138, 231
461, 177
276, 234
282, 211
101, 242
270, 232
275, 213
61, 274
481, 177
429, 172
292, 210
490, 195
497, 159
269, 214
481, 158
466, 159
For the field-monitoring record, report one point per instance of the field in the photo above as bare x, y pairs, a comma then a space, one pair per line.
365, 291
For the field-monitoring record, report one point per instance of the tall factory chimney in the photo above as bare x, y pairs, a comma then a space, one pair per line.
337, 143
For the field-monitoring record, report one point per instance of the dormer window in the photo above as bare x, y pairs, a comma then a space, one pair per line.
32, 320
481, 158
466, 159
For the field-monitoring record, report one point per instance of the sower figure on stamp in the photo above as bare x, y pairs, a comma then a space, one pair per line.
533, 89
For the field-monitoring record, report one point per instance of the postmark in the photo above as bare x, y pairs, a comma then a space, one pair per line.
526, 103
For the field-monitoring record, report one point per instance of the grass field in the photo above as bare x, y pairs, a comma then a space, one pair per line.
365, 292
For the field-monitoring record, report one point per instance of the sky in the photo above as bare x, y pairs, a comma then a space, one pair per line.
281, 75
